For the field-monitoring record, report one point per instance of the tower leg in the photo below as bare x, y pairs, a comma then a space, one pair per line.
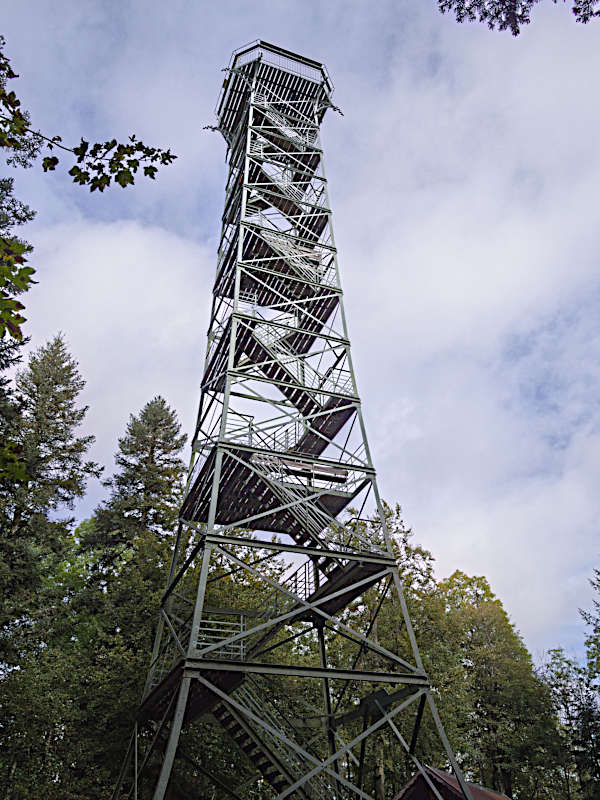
169, 758
442, 733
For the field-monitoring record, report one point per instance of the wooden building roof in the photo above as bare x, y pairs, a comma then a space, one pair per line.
447, 786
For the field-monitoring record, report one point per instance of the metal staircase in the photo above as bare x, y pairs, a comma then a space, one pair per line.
265, 609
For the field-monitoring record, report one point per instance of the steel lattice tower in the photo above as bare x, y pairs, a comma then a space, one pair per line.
267, 632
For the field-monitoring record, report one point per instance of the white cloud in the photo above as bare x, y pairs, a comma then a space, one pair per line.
133, 303
463, 178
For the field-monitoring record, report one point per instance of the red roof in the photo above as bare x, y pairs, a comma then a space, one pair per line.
449, 788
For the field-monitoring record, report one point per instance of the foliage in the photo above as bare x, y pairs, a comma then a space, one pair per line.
508, 737
497, 711
51, 472
12, 468
85, 609
96, 166
71, 705
592, 619
577, 710
510, 14
146, 490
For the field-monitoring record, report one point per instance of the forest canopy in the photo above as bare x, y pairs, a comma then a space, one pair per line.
80, 607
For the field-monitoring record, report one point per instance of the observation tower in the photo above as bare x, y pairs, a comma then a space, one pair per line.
270, 676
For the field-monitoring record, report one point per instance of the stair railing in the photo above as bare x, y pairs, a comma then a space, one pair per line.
317, 788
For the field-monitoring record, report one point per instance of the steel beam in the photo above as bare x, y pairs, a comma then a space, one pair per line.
279, 454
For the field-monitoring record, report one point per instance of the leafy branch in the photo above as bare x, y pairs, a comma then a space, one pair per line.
510, 14
15, 278
96, 166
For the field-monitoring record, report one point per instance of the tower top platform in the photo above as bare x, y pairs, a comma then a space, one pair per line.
280, 72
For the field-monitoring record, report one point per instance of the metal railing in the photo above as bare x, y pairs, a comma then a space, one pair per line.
336, 379
216, 629
301, 583
268, 56
305, 133
311, 190
317, 787
270, 435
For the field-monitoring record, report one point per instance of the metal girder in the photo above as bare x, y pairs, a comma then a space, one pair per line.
193, 666
343, 555
279, 454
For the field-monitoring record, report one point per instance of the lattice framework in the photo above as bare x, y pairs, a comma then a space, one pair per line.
280, 455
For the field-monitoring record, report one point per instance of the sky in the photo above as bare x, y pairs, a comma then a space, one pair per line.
463, 178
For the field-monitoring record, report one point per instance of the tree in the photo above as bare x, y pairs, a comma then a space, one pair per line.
578, 715
21, 149
96, 166
72, 702
146, 491
55, 472
592, 620
41, 420
11, 465
126, 548
508, 736
497, 712
510, 14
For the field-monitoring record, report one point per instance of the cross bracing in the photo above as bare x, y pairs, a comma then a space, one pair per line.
267, 639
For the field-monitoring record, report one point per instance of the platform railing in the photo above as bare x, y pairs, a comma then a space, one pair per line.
214, 629
306, 134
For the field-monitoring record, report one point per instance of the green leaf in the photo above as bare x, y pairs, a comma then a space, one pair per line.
81, 150
124, 177
49, 163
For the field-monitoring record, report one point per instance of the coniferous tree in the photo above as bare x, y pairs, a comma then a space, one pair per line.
578, 716
71, 705
11, 464
592, 620
42, 420
126, 548
146, 489
55, 471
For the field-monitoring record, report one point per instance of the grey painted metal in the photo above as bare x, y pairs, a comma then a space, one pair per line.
410, 754
192, 667
280, 456
357, 740
169, 757
278, 733
343, 555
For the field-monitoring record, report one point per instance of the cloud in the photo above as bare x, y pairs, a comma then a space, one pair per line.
133, 303
463, 178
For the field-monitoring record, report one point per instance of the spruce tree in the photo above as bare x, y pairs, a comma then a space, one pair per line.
72, 703
147, 487
43, 422
11, 465
577, 708
127, 544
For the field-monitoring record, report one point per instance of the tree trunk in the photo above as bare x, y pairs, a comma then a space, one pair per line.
11, 775
379, 772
